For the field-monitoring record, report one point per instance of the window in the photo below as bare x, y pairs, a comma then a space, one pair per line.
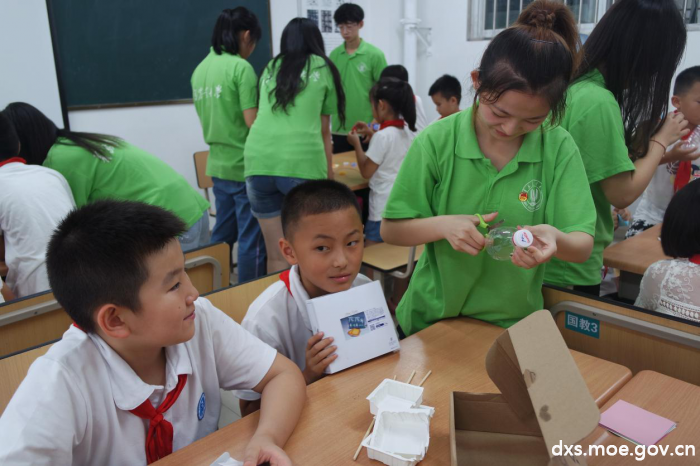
689, 10
489, 17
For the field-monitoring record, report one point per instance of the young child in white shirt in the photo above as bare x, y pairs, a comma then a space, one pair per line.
138, 374
394, 108
446, 93
33, 199
400, 72
681, 158
323, 243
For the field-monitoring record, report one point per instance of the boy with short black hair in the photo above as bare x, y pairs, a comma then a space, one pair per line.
681, 166
33, 199
136, 378
446, 93
323, 243
360, 65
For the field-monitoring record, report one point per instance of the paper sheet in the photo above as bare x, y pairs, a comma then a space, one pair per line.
226, 460
635, 424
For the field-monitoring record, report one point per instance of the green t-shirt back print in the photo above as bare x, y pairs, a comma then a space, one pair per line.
222, 87
290, 143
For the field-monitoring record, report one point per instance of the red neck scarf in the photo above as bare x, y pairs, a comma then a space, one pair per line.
695, 259
159, 439
284, 276
685, 169
395, 123
12, 160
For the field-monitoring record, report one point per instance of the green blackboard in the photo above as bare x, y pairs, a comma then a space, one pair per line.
123, 52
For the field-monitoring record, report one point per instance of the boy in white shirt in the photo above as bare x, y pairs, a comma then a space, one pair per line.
323, 243
137, 377
680, 165
446, 93
33, 199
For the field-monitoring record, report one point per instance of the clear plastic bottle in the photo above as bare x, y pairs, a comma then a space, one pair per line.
500, 242
693, 141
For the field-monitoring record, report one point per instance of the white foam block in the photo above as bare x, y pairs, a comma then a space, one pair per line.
391, 395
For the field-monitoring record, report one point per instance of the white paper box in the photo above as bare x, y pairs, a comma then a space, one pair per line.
399, 438
391, 395
359, 322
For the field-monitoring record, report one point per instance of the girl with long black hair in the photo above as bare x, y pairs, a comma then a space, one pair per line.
615, 112
290, 141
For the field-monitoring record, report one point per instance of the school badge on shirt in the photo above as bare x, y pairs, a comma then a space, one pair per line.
531, 195
201, 407
361, 67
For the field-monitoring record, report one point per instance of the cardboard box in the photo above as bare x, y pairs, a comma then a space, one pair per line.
359, 322
543, 400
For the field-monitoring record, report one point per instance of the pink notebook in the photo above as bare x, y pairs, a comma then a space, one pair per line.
635, 424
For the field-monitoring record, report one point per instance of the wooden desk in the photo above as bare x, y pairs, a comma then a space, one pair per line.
337, 414
387, 258
668, 397
347, 174
633, 257
636, 254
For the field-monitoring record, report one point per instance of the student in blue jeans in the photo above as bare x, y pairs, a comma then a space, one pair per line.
224, 90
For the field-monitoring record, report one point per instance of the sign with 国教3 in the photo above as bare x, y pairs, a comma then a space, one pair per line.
582, 324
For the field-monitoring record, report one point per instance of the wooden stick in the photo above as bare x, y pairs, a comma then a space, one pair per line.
359, 448
411, 377
424, 378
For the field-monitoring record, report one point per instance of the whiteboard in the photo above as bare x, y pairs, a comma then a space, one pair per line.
26, 54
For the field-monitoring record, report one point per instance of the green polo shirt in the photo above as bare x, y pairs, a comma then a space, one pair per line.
445, 173
290, 143
358, 72
594, 120
130, 174
222, 87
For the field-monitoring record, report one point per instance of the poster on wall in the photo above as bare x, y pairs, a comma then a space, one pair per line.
321, 12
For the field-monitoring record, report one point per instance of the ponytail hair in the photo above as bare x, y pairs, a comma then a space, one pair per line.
538, 55
37, 133
399, 95
230, 23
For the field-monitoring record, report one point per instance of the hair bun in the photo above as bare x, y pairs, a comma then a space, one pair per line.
540, 18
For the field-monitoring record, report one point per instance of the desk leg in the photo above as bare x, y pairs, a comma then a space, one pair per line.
629, 285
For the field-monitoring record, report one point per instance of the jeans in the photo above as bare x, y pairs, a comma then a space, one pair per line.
235, 222
197, 236
372, 231
267, 192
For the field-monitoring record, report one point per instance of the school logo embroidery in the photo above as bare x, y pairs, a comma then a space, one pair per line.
201, 407
315, 76
531, 196
361, 67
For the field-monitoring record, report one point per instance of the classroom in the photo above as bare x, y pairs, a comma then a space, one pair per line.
339, 232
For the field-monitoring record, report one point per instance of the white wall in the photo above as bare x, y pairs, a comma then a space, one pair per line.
173, 133
26, 53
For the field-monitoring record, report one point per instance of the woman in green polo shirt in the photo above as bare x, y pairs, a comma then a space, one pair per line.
290, 141
98, 167
613, 109
497, 159
225, 94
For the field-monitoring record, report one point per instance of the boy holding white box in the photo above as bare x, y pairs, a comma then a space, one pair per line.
323, 242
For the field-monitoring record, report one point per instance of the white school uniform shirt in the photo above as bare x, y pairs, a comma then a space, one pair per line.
2, 298
33, 200
73, 406
387, 148
280, 319
655, 199
421, 119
